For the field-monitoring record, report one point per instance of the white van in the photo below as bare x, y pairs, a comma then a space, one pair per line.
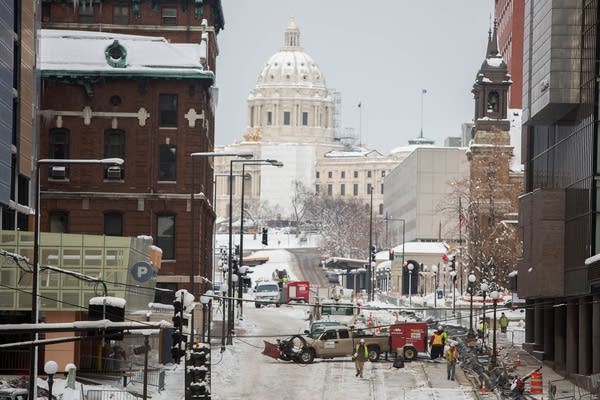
266, 293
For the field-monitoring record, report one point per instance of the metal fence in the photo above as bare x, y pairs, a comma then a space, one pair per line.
156, 377
109, 394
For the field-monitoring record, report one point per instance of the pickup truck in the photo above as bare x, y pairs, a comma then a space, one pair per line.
406, 338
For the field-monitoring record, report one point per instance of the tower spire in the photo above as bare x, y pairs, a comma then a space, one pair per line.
292, 35
492, 47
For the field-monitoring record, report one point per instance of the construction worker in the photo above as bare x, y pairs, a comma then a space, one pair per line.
451, 357
361, 354
503, 321
437, 342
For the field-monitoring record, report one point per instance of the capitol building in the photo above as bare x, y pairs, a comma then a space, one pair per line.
291, 118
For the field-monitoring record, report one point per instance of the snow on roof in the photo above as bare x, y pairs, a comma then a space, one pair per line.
353, 153
76, 53
109, 301
422, 248
494, 61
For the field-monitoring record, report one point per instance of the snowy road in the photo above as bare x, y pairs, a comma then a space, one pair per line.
243, 373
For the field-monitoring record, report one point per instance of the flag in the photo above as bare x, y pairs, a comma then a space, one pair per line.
423, 91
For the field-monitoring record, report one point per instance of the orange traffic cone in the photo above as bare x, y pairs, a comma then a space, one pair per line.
483, 389
518, 360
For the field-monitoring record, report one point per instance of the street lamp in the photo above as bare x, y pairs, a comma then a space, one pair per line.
434, 269
50, 369
410, 268
403, 231
193, 217
471, 279
274, 163
36, 251
495, 295
484, 288
453, 277
206, 300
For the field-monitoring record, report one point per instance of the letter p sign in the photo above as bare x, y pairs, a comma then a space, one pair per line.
141, 271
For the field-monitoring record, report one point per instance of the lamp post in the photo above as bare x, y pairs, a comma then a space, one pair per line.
410, 268
453, 277
274, 163
434, 270
50, 369
193, 217
206, 301
371, 252
36, 251
471, 279
484, 288
403, 233
495, 295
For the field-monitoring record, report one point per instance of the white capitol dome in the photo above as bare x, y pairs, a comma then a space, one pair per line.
291, 66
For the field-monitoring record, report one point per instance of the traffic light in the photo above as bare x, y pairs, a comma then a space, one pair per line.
373, 252
391, 255
265, 236
235, 266
178, 338
198, 373
453, 267
237, 250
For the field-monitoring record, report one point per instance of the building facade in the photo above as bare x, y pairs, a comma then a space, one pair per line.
510, 19
421, 191
132, 80
559, 210
18, 100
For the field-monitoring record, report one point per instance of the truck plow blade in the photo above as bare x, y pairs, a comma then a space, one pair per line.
271, 350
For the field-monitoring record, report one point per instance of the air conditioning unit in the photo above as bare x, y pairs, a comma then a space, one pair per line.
58, 172
114, 172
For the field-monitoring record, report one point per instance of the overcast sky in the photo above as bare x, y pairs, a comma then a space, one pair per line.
379, 52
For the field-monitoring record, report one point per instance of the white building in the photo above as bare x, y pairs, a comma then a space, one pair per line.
291, 119
420, 191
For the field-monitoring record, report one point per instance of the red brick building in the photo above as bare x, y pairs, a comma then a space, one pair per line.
510, 20
134, 80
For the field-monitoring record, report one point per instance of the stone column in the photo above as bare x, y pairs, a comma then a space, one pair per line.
548, 332
596, 334
585, 336
572, 326
539, 325
529, 325
560, 323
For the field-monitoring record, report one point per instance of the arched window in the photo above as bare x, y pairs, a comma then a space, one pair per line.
493, 103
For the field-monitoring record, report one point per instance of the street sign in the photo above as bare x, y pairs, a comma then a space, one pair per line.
141, 271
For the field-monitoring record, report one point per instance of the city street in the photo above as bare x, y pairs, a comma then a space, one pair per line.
242, 372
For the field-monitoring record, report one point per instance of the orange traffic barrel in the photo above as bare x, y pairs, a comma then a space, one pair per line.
536, 385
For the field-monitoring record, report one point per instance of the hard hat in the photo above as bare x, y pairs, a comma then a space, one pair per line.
440, 328
362, 340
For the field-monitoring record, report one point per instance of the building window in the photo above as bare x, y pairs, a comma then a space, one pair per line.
59, 149
167, 162
355, 189
46, 12
343, 174
169, 16
269, 118
114, 147
304, 118
113, 224
286, 117
165, 235
329, 190
382, 188
383, 173
368, 174
167, 104
252, 116
120, 15
59, 144
330, 174
356, 174
318, 174
59, 222
381, 209
342, 189
317, 189
85, 11
369, 187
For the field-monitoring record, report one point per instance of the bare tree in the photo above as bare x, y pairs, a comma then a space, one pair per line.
301, 196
